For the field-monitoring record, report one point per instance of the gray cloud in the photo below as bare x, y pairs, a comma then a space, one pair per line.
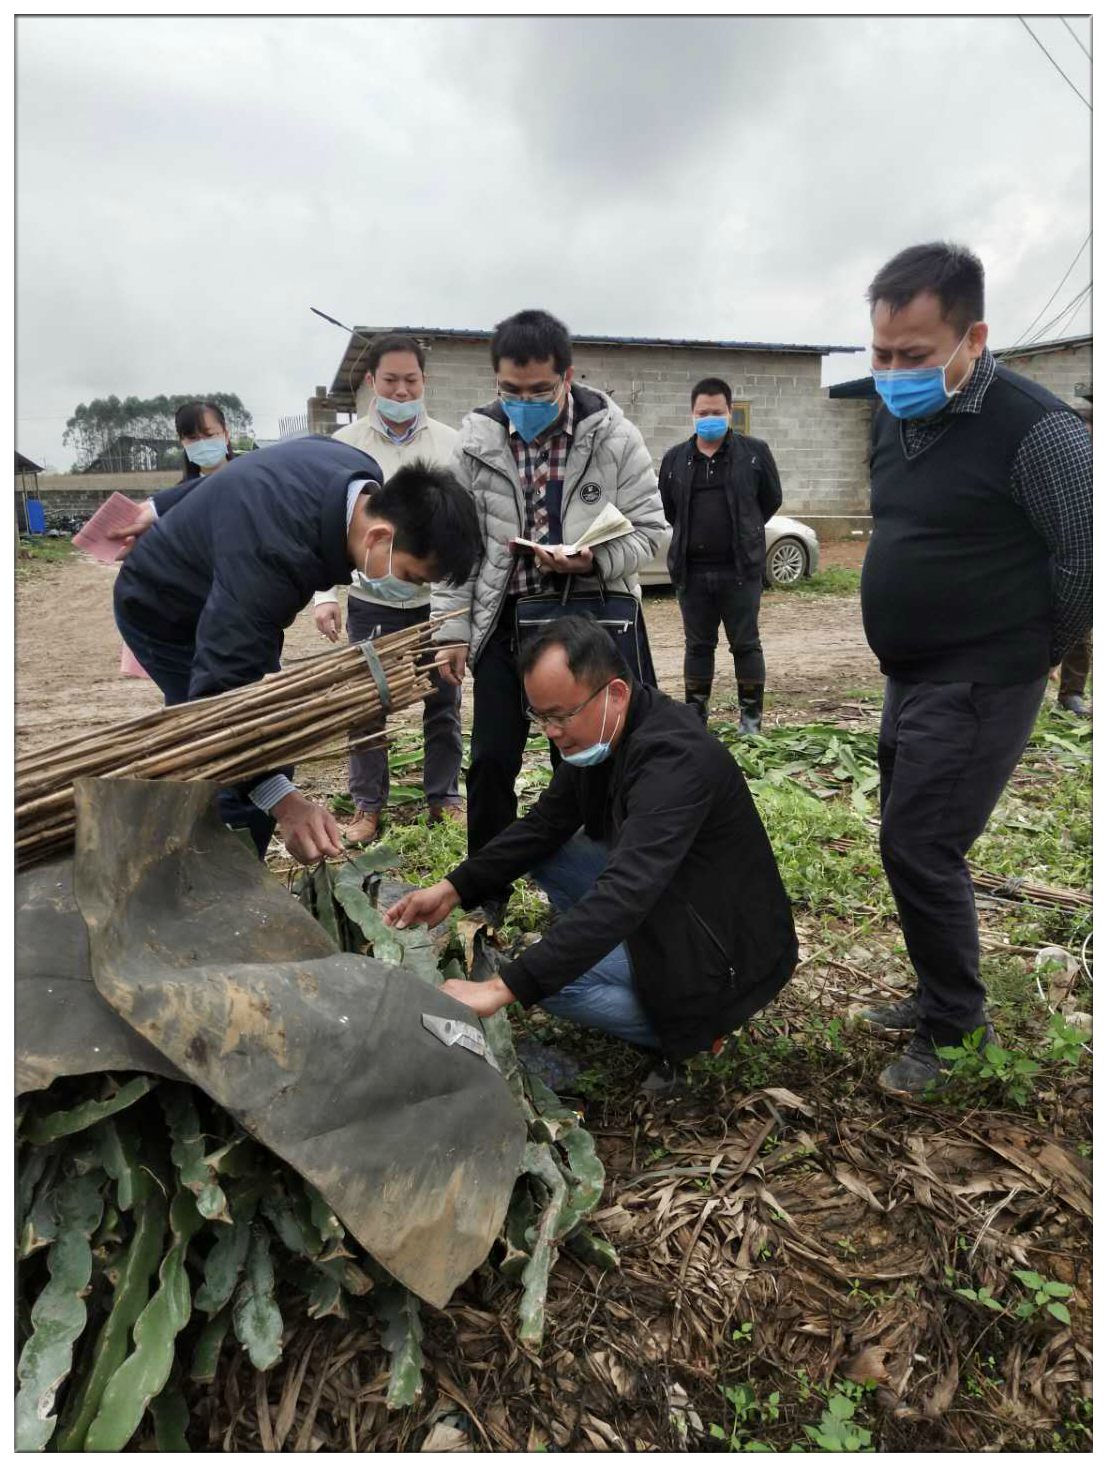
184, 200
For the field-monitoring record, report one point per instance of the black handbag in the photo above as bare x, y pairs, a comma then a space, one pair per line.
618, 612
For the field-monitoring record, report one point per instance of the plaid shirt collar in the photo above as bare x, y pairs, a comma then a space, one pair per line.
970, 399
564, 424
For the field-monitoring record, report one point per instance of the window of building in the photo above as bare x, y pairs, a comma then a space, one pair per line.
740, 417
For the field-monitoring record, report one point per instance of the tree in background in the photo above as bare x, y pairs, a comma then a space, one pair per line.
96, 427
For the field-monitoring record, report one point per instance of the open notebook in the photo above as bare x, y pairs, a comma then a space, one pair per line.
609, 524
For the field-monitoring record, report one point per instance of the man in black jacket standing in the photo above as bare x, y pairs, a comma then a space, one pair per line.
673, 924
718, 490
976, 582
207, 590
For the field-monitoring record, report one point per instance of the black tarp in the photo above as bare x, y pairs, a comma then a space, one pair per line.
165, 946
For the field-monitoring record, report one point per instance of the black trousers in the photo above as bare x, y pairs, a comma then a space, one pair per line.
945, 751
499, 736
707, 598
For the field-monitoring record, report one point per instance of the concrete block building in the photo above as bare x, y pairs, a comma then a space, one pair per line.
820, 446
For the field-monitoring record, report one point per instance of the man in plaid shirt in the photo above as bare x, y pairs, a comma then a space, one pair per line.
977, 581
541, 462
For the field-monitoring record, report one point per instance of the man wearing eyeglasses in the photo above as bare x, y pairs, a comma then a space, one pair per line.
541, 462
673, 924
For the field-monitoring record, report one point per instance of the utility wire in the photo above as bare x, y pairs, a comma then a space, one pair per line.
1053, 63
1075, 37
1065, 311
1053, 297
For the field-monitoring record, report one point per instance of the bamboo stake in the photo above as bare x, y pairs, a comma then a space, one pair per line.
228, 737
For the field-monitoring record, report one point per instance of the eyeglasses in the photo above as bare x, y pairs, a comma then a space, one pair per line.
548, 396
549, 720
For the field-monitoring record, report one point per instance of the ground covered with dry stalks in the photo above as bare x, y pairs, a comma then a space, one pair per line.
803, 1261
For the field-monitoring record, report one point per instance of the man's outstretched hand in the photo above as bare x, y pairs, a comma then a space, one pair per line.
308, 831
431, 905
485, 999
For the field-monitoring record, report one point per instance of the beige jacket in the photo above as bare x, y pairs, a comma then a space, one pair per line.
608, 463
433, 442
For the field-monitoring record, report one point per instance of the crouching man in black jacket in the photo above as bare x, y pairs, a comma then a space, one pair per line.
674, 925
204, 596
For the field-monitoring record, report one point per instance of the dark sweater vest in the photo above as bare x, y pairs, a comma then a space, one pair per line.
957, 585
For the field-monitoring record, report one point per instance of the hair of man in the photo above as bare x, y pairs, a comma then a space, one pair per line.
532, 336
949, 271
432, 516
189, 423
394, 341
592, 656
712, 387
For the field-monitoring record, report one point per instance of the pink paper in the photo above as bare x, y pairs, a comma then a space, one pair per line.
114, 514
130, 666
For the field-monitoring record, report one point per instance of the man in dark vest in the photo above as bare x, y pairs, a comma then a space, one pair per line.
673, 924
718, 490
977, 581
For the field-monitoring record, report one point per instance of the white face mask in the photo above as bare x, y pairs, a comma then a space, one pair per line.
387, 587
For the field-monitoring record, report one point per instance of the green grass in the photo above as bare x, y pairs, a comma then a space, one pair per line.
35, 551
835, 580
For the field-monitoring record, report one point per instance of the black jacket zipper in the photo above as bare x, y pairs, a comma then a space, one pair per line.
731, 974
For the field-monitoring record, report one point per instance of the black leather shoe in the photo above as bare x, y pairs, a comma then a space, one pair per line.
920, 1069
698, 695
751, 702
895, 1018
1074, 703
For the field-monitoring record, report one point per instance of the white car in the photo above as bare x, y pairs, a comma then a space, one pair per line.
791, 552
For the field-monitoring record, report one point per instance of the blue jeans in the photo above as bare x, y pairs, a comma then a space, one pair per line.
604, 997
170, 666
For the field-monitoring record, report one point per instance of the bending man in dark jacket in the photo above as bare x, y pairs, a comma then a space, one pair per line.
205, 594
679, 927
719, 489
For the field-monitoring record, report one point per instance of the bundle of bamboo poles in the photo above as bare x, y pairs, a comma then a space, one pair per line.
228, 737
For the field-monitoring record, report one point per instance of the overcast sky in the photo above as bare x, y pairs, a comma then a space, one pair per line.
183, 199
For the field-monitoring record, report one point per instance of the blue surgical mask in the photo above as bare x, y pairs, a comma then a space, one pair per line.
530, 418
597, 752
205, 453
918, 392
399, 412
388, 587
711, 429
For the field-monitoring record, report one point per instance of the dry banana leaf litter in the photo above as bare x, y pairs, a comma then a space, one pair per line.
198, 964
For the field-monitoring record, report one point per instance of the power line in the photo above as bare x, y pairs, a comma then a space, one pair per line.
1075, 37
1053, 297
1065, 311
1053, 63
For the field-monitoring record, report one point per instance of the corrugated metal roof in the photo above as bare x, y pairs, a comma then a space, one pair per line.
27, 465
342, 391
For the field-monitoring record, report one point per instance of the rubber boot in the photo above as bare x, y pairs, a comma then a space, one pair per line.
751, 700
699, 695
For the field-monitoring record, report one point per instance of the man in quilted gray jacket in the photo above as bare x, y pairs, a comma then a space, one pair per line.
541, 462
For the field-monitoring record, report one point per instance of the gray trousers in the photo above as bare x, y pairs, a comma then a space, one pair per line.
441, 719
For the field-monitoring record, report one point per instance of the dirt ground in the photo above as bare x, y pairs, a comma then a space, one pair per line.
67, 652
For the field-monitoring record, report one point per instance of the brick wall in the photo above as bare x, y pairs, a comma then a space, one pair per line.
1059, 370
84, 493
821, 447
